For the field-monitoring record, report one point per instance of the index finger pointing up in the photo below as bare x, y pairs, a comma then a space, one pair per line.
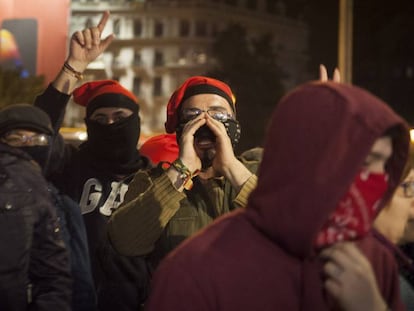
102, 22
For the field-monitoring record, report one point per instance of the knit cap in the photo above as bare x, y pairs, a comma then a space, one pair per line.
104, 93
24, 116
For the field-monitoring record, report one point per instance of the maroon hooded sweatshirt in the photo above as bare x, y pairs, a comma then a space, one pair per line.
262, 257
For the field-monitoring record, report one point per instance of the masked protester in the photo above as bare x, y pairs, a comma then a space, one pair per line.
96, 175
113, 127
34, 265
333, 156
164, 206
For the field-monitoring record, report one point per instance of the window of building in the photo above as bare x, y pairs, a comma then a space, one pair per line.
157, 87
137, 59
158, 29
117, 27
117, 62
201, 29
89, 23
184, 28
182, 56
158, 59
137, 28
137, 86
201, 58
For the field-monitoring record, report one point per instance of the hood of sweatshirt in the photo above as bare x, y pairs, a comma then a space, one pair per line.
317, 140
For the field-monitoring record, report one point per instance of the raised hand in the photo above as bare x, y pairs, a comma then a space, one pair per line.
323, 74
224, 151
86, 45
188, 154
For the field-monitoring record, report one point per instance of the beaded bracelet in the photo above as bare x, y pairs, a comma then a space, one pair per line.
185, 174
70, 70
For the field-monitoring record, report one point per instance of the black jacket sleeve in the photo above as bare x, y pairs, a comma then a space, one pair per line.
54, 104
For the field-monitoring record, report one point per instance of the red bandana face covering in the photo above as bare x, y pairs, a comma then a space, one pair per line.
356, 211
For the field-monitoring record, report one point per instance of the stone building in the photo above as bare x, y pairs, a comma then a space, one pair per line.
159, 43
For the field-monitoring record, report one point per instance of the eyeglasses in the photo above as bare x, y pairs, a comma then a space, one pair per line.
219, 114
18, 140
408, 187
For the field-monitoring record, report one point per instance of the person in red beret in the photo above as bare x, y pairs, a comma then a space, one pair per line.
97, 174
163, 207
333, 156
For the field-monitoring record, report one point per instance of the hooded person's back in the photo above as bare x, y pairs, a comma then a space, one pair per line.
264, 257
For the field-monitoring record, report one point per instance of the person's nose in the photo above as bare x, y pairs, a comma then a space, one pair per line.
110, 119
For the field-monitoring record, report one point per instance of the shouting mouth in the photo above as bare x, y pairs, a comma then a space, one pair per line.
204, 143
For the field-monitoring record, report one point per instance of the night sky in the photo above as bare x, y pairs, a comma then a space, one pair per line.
383, 47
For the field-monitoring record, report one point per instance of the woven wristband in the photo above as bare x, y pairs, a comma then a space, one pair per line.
185, 173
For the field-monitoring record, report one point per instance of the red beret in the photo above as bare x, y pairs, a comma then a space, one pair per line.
162, 147
87, 92
198, 85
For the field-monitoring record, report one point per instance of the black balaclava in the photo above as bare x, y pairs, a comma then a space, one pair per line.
39, 153
116, 141
113, 146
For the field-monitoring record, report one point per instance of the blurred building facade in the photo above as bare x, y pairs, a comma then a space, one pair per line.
159, 43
